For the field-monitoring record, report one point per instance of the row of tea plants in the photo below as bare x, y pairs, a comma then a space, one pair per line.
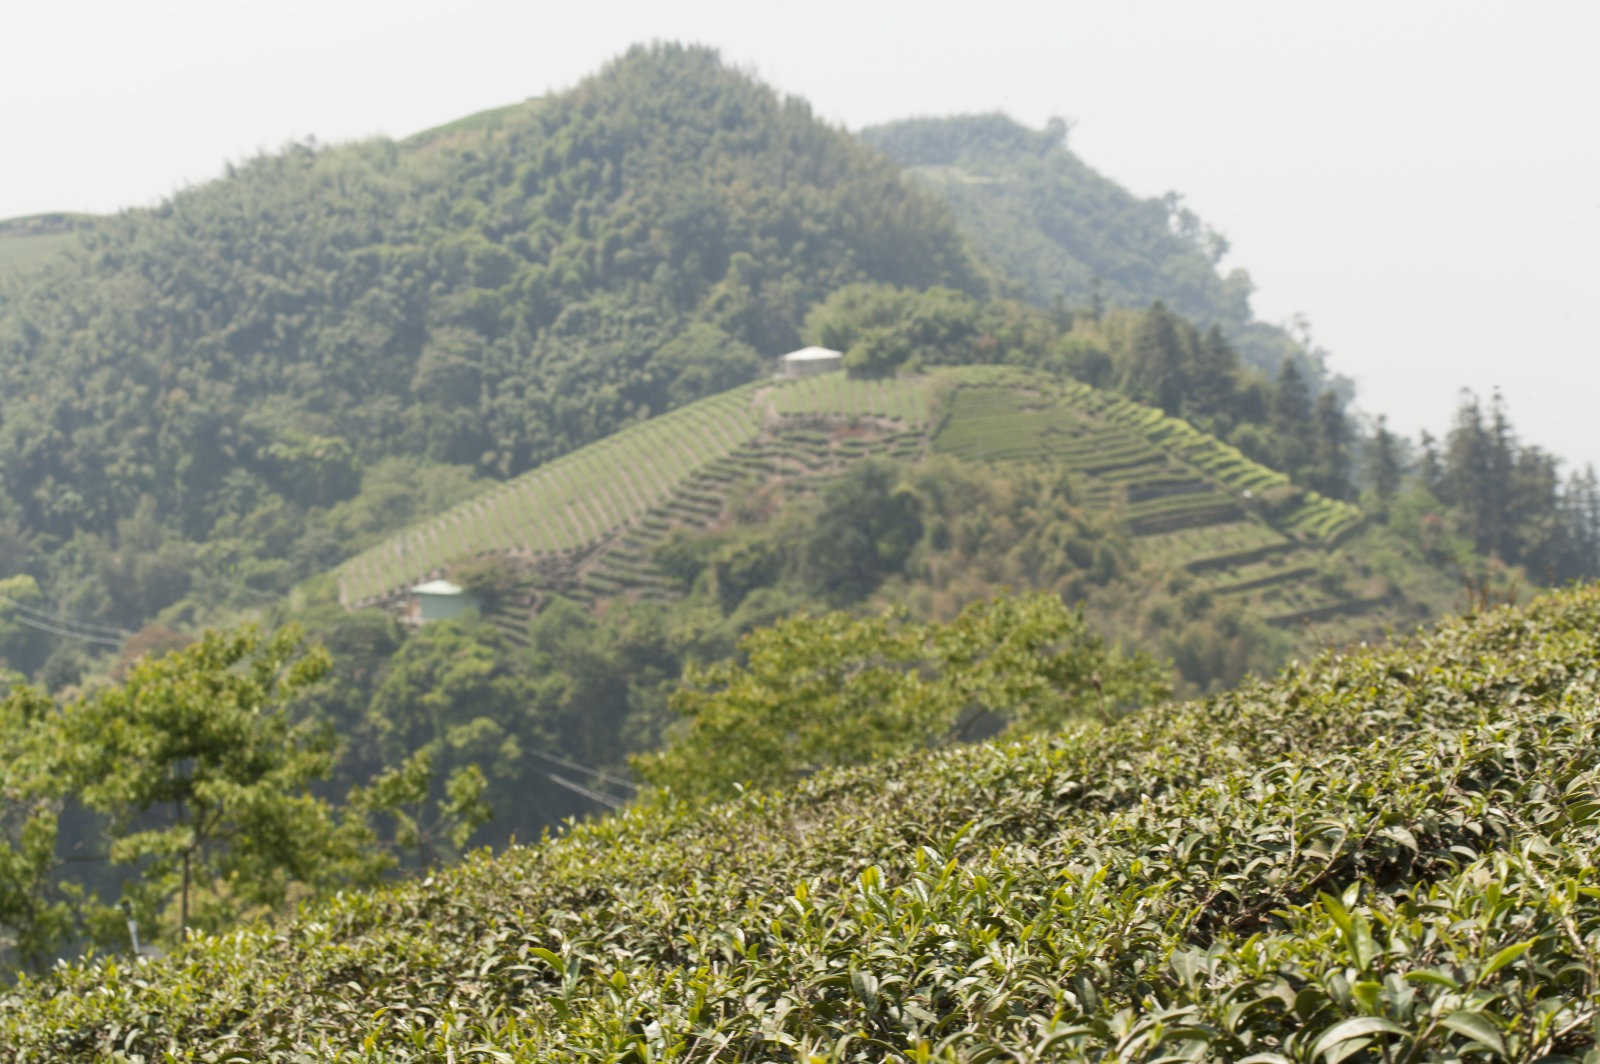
1387, 854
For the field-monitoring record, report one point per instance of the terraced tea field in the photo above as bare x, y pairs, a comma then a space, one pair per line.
566, 507
589, 520
27, 242
1237, 530
587, 525
1166, 475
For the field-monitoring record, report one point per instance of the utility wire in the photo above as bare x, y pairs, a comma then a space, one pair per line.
594, 796
42, 626
596, 773
41, 615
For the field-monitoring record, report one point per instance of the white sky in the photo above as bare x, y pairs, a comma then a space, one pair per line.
1421, 178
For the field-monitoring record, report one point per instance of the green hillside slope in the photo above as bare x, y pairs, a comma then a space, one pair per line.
213, 375
1069, 235
30, 241
1386, 855
588, 525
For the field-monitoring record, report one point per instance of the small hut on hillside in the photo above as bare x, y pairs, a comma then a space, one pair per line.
809, 361
437, 600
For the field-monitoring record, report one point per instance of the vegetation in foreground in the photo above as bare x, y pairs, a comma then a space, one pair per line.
1384, 855
215, 784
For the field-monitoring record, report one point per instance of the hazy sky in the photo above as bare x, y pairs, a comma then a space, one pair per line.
1420, 178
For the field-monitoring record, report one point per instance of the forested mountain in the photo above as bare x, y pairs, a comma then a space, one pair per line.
190, 394
1070, 237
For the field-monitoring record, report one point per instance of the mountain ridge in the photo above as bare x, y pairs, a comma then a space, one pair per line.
1036, 211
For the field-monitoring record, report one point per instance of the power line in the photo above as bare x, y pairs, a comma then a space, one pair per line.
594, 796
53, 629
41, 615
596, 773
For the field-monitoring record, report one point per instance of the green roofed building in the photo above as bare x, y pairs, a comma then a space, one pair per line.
438, 600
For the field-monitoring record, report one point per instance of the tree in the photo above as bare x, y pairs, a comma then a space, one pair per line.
25, 641
878, 351
1216, 375
1431, 468
491, 580
881, 328
204, 778
1332, 475
1292, 417
455, 690
35, 916
1156, 364
1385, 463
1469, 472
866, 531
426, 828
813, 692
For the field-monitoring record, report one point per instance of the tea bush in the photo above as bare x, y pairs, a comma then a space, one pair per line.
1383, 855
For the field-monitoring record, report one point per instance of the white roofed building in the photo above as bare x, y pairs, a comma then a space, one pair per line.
810, 360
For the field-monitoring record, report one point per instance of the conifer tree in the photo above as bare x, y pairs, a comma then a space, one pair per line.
1292, 415
1155, 371
1332, 447
1432, 468
1385, 464
1216, 375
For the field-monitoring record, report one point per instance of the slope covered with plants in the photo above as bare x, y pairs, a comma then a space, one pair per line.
189, 396
1070, 236
203, 404
594, 524
1385, 854
28, 241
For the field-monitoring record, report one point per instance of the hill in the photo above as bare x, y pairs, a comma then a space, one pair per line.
1197, 513
605, 575
1382, 854
200, 384
206, 402
1069, 236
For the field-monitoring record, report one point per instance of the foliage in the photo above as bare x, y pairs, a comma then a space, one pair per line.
1508, 499
191, 778
24, 644
202, 775
402, 794
814, 692
34, 915
229, 369
1020, 527
462, 699
1069, 237
1383, 852
881, 328
867, 528
490, 581
451, 694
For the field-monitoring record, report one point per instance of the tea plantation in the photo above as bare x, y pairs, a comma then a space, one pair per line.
25, 242
1384, 855
587, 525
